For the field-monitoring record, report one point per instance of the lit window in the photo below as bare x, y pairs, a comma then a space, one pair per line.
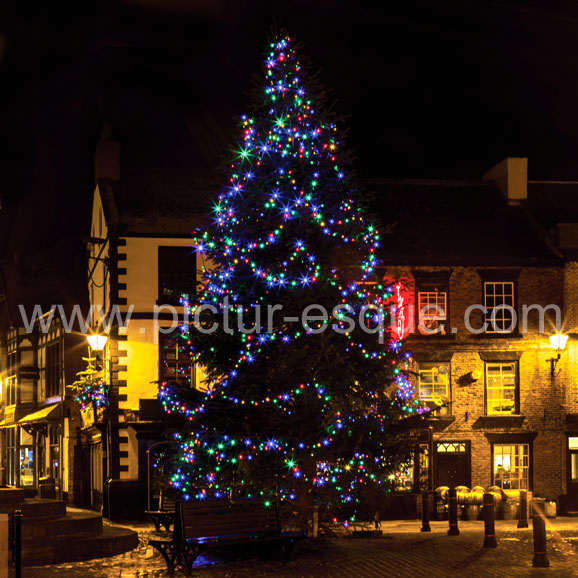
512, 466
434, 386
501, 388
176, 363
499, 304
451, 448
432, 309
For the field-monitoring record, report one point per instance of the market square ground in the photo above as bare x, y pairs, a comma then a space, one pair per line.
402, 552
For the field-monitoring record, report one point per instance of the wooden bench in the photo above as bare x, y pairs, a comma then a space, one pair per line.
165, 515
219, 524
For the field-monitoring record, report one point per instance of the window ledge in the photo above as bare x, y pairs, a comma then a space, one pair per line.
511, 335
499, 421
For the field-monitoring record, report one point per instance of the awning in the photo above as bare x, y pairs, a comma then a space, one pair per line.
4, 424
41, 415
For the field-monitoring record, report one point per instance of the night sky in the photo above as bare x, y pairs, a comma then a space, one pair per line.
429, 89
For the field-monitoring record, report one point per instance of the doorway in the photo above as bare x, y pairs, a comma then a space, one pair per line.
453, 464
572, 469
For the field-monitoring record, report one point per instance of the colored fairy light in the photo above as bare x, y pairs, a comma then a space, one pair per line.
288, 206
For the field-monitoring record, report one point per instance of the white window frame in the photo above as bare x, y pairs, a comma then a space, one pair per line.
511, 467
430, 302
438, 383
503, 322
502, 387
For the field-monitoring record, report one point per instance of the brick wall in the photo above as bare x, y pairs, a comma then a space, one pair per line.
544, 400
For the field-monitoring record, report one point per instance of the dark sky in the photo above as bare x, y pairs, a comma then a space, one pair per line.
430, 89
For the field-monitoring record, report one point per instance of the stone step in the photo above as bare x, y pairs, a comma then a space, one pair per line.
112, 541
34, 508
75, 522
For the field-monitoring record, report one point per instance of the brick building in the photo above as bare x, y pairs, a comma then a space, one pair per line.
503, 413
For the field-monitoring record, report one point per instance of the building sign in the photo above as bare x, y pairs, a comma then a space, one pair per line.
402, 306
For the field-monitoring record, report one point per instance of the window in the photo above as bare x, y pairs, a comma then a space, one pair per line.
499, 305
26, 458
501, 388
512, 466
434, 386
11, 449
52, 369
177, 274
432, 300
12, 369
176, 363
54, 454
451, 448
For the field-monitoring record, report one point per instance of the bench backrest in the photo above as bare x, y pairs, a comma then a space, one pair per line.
225, 518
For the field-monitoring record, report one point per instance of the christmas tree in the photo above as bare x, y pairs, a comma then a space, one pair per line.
307, 390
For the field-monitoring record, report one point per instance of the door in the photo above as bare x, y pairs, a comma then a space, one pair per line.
452, 464
572, 468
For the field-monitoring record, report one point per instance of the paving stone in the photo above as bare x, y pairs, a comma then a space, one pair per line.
402, 552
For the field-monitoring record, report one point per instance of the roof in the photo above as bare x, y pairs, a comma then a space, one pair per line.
553, 202
161, 201
444, 223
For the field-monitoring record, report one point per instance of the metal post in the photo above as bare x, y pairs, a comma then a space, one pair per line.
148, 452
425, 527
315, 522
523, 509
453, 513
539, 527
18, 544
489, 522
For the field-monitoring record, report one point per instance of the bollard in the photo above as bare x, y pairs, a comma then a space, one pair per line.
523, 510
18, 544
539, 528
425, 527
315, 522
453, 513
489, 522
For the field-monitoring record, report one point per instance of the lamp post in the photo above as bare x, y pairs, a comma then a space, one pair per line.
97, 344
558, 344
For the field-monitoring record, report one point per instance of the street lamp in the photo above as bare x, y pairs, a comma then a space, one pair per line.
97, 342
558, 343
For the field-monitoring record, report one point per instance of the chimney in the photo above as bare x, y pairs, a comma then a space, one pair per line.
511, 177
107, 156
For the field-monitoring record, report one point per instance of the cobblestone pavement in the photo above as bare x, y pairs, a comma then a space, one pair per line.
401, 552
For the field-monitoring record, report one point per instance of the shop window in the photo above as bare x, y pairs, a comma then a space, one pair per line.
26, 454
512, 466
